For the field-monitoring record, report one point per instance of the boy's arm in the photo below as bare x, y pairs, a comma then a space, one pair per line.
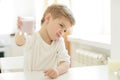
19, 39
62, 67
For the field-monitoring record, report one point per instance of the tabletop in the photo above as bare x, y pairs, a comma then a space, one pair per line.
77, 73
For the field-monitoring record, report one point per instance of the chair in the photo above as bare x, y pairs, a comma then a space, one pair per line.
12, 64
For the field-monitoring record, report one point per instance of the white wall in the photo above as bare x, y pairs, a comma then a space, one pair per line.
10, 9
115, 27
24, 7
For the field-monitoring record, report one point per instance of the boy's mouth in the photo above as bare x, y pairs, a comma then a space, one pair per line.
58, 36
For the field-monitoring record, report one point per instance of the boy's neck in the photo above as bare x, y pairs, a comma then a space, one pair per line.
43, 33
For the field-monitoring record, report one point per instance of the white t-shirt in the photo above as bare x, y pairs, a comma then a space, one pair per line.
40, 56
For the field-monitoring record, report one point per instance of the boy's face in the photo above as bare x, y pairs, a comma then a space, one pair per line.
57, 27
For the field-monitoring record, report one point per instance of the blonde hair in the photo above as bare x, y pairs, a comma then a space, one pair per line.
58, 11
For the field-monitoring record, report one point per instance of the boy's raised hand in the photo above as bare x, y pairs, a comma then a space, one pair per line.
19, 39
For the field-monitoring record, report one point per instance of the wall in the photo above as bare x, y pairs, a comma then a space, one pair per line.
24, 7
115, 27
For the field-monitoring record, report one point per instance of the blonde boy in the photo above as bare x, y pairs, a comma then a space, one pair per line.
45, 50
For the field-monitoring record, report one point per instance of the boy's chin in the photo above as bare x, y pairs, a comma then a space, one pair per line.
57, 38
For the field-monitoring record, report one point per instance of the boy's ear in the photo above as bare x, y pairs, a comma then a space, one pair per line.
48, 17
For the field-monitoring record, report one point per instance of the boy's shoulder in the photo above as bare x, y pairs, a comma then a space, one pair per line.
32, 36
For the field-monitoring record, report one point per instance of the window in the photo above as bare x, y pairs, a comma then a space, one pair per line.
92, 17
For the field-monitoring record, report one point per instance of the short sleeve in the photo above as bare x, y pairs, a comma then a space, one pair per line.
62, 52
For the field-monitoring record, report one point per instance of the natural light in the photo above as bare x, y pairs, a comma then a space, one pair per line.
7, 16
92, 16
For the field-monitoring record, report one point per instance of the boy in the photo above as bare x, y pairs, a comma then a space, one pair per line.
45, 50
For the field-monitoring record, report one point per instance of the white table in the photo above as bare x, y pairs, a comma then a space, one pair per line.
81, 73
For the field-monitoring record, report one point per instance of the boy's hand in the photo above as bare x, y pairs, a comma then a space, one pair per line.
52, 73
19, 38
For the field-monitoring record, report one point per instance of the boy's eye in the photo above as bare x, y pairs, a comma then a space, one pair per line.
65, 30
61, 25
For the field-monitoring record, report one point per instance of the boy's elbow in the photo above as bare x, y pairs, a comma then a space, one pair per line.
67, 65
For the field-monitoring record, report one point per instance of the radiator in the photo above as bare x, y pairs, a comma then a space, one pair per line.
88, 58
